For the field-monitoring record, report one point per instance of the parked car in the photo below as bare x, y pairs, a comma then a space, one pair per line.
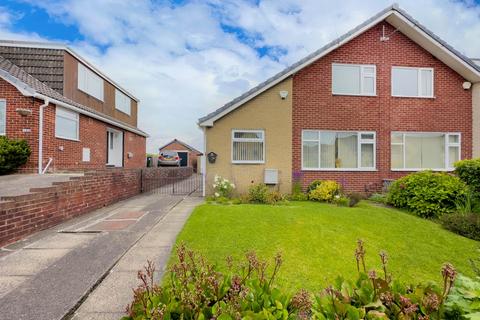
169, 158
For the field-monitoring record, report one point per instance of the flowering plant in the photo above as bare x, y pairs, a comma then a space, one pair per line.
222, 187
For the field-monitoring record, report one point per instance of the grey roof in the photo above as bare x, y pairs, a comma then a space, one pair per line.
319, 52
183, 144
46, 65
26, 79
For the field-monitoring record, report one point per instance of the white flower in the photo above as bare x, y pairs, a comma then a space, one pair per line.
214, 185
337, 196
232, 185
217, 194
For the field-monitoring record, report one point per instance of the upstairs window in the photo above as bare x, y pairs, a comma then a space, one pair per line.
330, 150
122, 102
412, 82
89, 82
248, 146
3, 117
66, 124
356, 80
412, 151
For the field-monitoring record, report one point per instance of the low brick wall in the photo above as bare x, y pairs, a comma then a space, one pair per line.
23, 215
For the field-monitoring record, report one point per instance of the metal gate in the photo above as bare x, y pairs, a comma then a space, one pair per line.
175, 185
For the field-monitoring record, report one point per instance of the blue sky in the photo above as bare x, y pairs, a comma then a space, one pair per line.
183, 59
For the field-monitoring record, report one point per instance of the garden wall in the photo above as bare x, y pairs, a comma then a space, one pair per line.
23, 215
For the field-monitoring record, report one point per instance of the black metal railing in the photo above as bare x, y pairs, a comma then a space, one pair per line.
178, 185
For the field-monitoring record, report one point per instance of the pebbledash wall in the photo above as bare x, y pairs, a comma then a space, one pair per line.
23, 215
66, 154
314, 106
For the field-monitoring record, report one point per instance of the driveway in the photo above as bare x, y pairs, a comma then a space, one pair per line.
48, 275
20, 184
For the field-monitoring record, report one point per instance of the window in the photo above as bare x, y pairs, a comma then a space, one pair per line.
330, 150
351, 79
3, 117
412, 82
66, 124
418, 151
248, 146
122, 102
89, 82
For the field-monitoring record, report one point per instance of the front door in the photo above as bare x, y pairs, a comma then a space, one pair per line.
183, 159
114, 148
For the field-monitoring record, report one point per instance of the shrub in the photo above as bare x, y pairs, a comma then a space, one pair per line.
467, 225
341, 201
195, 289
313, 185
326, 191
275, 197
297, 193
463, 302
13, 154
378, 197
467, 203
222, 187
257, 193
355, 198
469, 172
426, 193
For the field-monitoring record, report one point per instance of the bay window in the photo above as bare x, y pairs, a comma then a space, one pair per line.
353, 79
248, 146
425, 150
412, 82
338, 150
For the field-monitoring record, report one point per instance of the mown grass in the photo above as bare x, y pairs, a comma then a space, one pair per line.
318, 240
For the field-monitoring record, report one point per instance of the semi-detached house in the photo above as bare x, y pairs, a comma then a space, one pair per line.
73, 116
385, 99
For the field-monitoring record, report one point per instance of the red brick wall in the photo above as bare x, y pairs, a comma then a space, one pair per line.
66, 154
314, 106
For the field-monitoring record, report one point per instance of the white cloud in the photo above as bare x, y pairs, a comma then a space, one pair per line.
182, 64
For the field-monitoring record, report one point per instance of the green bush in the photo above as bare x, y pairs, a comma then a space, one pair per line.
355, 198
326, 191
257, 193
297, 193
313, 185
463, 302
195, 289
467, 225
379, 198
341, 201
13, 154
469, 172
427, 194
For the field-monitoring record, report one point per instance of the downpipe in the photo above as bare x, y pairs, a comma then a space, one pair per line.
40, 136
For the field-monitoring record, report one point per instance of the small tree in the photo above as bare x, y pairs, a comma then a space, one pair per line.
13, 154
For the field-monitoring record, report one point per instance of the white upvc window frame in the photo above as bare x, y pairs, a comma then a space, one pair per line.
419, 81
119, 96
248, 140
448, 144
4, 102
69, 115
363, 75
89, 77
360, 142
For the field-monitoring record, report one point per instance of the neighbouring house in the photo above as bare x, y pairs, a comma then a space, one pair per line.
188, 154
72, 115
385, 99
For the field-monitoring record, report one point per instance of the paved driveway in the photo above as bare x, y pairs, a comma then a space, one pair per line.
48, 275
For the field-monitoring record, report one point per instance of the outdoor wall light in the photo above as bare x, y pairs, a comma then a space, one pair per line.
283, 94
212, 157
23, 111
467, 85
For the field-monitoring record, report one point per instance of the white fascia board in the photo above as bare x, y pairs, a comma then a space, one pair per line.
209, 122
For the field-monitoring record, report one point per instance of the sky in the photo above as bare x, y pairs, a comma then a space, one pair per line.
184, 59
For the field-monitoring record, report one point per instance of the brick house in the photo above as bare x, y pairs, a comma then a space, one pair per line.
72, 115
188, 154
385, 99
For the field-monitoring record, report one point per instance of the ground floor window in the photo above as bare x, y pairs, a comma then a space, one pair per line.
425, 150
3, 117
66, 124
248, 146
338, 150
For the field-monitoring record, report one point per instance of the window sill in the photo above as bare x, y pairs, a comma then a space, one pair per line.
340, 170
248, 162
128, 114
353, 95
414, 97
417, 169
89, 95
65, 138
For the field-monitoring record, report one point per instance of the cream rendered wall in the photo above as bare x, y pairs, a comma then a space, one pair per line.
267, 112
476, 120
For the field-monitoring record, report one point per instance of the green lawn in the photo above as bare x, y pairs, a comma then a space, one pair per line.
318, 240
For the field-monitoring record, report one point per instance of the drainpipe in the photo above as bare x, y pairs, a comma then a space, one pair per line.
40, 135
204, 161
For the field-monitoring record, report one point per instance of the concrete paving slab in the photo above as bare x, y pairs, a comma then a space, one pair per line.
29, 261
127, 215
8, 283
111, 225
62, 241
136, 258
160, 239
